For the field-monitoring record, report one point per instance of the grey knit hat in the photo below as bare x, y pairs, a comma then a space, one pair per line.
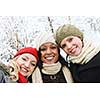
67, 30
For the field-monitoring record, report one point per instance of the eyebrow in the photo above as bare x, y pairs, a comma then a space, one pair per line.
28, 58
25, 56
33, 61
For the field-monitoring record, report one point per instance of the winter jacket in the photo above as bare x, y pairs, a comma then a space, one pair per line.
63, 76
87, 73
4, 74
4, 78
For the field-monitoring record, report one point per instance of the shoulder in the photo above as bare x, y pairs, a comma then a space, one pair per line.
2, 76
1, 73
4, 68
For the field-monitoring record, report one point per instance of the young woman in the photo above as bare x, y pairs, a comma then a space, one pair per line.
52, 65
83, 53
23, 66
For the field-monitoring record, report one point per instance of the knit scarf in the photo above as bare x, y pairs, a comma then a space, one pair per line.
22, 79
51, 69
89, 50
37, 78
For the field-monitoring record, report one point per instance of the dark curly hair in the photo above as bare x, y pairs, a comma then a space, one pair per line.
60, 59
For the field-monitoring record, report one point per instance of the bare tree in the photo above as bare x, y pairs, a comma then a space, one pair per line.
50, 23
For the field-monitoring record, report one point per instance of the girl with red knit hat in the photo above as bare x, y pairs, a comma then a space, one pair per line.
23, 66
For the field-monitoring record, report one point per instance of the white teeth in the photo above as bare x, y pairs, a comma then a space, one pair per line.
73, 50
23, 69
49, 58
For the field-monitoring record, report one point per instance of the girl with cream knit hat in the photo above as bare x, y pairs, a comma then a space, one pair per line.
83, 53
51, 63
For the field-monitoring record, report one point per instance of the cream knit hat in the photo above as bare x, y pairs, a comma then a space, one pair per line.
67, 30
44, 38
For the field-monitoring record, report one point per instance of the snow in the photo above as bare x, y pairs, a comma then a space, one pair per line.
20, 31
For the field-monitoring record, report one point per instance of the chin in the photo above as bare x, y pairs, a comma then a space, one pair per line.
50, 62
76, 54
23, 74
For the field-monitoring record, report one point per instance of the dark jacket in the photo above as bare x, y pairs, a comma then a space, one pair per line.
87, 73
57, 78
4, 74
4, 78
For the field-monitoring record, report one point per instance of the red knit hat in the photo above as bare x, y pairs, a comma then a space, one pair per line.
30, 50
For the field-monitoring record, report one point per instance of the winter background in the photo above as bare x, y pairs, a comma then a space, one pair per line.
20, 31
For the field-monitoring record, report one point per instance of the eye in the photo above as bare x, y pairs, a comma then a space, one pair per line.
33, 64
53, 47
43, 49
24, 59
70, 39
63, 46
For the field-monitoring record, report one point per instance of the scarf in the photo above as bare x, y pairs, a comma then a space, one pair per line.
90, 49
52, 69
36, 76
22, 79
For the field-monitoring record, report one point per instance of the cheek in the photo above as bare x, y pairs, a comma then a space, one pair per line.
56, 58
80, 44
66, 51
31, 69
42, 55
56, 54
19, 62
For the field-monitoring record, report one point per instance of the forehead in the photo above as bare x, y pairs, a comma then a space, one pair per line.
65, 39
48, 44
29, 56
69, 37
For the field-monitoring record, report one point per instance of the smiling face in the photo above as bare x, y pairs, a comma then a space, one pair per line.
27, 63
72, 45
49, 53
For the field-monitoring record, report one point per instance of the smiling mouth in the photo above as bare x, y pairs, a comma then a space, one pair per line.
72, 50
49, 57
24, 70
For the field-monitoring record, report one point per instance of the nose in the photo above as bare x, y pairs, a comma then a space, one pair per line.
49, 51
68, 45
27, 64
